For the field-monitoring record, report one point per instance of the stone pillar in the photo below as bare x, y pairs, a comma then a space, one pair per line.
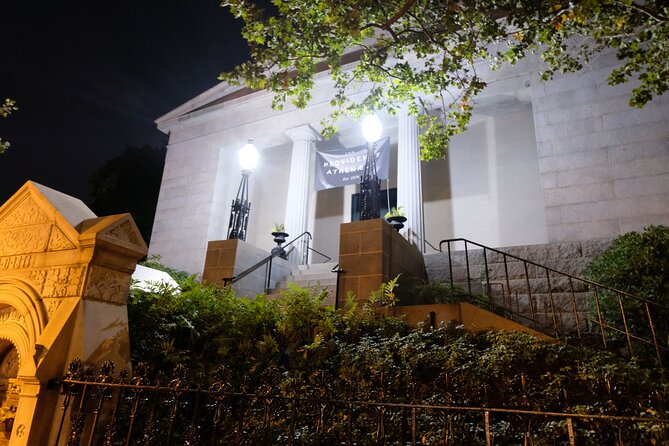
297, 204
21, 431
409, 186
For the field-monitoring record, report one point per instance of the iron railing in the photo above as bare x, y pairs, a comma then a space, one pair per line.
556, 303
338, 271
266, 262
306, 238
123, 411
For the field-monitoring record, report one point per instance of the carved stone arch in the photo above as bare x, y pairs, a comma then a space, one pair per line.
16, 335
22, 320
9, 359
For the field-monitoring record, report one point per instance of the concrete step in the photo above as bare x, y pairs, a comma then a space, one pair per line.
308, 281
315, 268
309, 276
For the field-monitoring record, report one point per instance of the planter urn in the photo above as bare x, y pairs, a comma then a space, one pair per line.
280, 239
396, 221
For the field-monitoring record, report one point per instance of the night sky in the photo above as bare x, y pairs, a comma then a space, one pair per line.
90, 77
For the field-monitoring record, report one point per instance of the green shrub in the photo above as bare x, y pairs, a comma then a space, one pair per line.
355, 353
636, 263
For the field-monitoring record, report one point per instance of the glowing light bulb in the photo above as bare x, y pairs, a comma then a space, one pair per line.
248, 156
371, 128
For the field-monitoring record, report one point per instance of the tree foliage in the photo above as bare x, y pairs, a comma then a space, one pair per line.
6, 109
637, 263
423, 53
130, 182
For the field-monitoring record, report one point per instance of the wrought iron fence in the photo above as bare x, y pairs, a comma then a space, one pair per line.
557, 303
109, 411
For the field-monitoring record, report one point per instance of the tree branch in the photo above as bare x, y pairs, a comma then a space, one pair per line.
649, 12
403, 10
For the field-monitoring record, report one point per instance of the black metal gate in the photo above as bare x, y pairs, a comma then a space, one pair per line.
108, 410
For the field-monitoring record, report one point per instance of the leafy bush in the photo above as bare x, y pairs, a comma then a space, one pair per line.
313, 351
636, 263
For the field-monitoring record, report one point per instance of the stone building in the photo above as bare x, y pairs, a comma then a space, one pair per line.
542, 162
64, 279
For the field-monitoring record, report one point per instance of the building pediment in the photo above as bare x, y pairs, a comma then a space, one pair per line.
119, 231
31, 223
212, 97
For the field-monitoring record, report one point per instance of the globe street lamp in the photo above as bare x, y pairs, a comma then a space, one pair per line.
239, 214
370, 185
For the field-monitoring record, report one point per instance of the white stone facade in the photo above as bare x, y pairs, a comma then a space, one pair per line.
542, 162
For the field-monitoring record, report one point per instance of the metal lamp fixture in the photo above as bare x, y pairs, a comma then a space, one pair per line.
239, 214
370, 185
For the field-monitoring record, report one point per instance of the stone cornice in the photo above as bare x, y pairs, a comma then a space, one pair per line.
303, 133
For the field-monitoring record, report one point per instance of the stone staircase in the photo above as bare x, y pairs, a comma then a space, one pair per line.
309, 276
526, 292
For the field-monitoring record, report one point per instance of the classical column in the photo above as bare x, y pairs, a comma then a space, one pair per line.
409, 187
297, 204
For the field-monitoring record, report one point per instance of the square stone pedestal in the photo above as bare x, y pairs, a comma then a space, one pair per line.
372, 252
227, 258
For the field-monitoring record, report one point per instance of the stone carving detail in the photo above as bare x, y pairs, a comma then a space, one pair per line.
51, 306
26, 213
16, 262
63, 281
37, 278
58, 241
10, 314
108, 285
25, 240
10, 386
124, 232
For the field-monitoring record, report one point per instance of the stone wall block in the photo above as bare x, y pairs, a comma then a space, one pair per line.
544, 147
584, 212
564, 250
573, 266
521, 304
518, 270
587, 175
475, 256
639, 223
643, 206
562, 303
584, 230
567, 322
494, 257
579, 194
572, 112
459, 273
568, 131
562, 162
641, 166
622, 153
636, 187
437, 275
436, 260
593, 248
572, 85
549, 180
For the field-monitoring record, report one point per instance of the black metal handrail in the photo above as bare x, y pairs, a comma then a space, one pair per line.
553, 327
337, 270
305, 254
268, 272
268, 261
